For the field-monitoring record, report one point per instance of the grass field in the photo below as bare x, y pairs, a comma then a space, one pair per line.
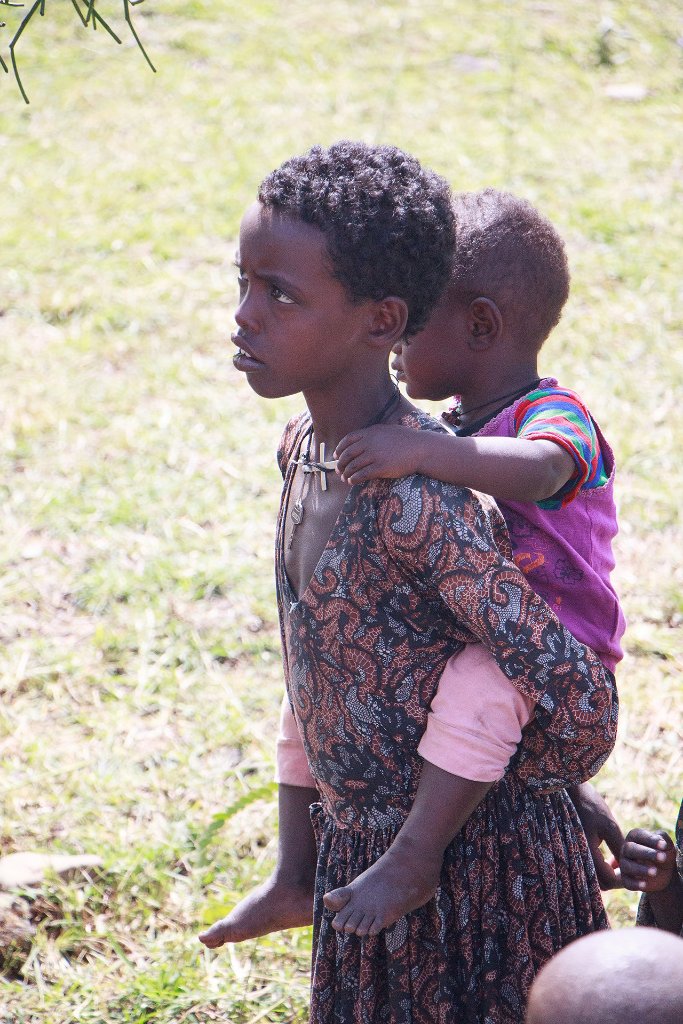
139, 675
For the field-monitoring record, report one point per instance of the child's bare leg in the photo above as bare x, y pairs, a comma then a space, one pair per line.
408, 874
273, 906
285, 900
400, 881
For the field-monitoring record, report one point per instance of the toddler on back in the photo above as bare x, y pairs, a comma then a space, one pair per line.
520, 437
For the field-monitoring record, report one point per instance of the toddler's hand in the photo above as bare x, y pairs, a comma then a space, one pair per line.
379, 451
648, 861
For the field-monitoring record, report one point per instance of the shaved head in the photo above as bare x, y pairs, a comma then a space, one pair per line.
629, 976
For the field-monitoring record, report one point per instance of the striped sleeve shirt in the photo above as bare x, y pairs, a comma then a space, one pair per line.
558, 415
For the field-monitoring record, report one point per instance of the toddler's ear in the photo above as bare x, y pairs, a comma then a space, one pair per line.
485, 323
388, 322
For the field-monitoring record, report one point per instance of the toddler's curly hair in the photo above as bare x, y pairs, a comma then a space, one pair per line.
388, 221
507, 251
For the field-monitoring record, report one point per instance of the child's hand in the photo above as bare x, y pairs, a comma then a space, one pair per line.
600, 827
379, 451
648, 861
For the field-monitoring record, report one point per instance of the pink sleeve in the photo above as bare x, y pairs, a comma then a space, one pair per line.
291, 766
476, 718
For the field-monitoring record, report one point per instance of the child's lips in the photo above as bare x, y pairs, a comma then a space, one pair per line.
244, 359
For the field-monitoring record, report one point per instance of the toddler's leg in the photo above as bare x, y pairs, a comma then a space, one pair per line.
473, 728
476, 717
408, 874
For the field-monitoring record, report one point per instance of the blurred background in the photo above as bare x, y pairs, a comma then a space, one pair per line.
139, 651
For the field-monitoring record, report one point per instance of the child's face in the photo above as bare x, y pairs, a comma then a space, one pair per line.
298, 329
438, 362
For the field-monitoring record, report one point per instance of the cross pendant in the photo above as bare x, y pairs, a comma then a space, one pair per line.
322, 466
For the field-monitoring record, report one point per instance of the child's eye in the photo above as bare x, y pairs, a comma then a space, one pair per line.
279, 295
242, 283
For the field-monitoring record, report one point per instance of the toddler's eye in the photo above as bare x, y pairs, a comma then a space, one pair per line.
279, 295
242, 283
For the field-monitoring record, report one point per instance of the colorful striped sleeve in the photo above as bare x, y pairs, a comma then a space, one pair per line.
554, 414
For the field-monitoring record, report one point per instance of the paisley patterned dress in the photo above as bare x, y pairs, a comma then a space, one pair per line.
413, 569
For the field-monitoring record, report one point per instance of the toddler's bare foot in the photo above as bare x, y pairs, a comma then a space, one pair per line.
271, 907
400, 881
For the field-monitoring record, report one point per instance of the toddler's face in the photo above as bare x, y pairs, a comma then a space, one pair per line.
437, 363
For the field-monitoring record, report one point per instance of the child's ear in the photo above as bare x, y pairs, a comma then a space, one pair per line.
388, 322
485, 324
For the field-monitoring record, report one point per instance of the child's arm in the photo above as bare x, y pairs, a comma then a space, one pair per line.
600, 826
408, 874
285, 900
648, 865
506, 467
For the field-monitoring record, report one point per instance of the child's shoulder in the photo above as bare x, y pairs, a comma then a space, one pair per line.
418, 419
291, 438
549, 391
418, 515
417, 498
549, 388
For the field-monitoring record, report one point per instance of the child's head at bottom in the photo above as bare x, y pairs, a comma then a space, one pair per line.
346, 249
509, 284
626, 976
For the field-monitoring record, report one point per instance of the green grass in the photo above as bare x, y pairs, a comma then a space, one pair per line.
139, 674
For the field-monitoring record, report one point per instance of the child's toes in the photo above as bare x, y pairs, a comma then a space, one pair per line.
342, 917
363, 928
353, 922
336, 899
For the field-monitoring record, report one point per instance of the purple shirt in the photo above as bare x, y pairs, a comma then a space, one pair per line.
566, 553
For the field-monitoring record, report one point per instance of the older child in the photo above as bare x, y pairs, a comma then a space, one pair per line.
526, 440
437, 898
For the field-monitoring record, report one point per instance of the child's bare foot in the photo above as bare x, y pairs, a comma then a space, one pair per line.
400, 881
271, 907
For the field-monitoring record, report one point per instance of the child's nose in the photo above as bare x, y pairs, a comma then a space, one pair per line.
245, 314
397, 361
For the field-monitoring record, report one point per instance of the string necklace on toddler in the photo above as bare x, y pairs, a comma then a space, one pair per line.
456, 414
322, 465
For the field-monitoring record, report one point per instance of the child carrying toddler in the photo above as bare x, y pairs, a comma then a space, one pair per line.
434, 897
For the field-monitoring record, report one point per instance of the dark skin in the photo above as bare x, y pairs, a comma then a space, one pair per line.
298, 331
466, 349
645, 861
625, 976
408, 874
600, 827
285, 899
648, 864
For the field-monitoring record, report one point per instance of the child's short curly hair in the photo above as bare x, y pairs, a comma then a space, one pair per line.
388, 221
506, 251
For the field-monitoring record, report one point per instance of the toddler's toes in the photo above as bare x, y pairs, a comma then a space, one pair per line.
363, 928
336, 899
353, 921
340, 919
